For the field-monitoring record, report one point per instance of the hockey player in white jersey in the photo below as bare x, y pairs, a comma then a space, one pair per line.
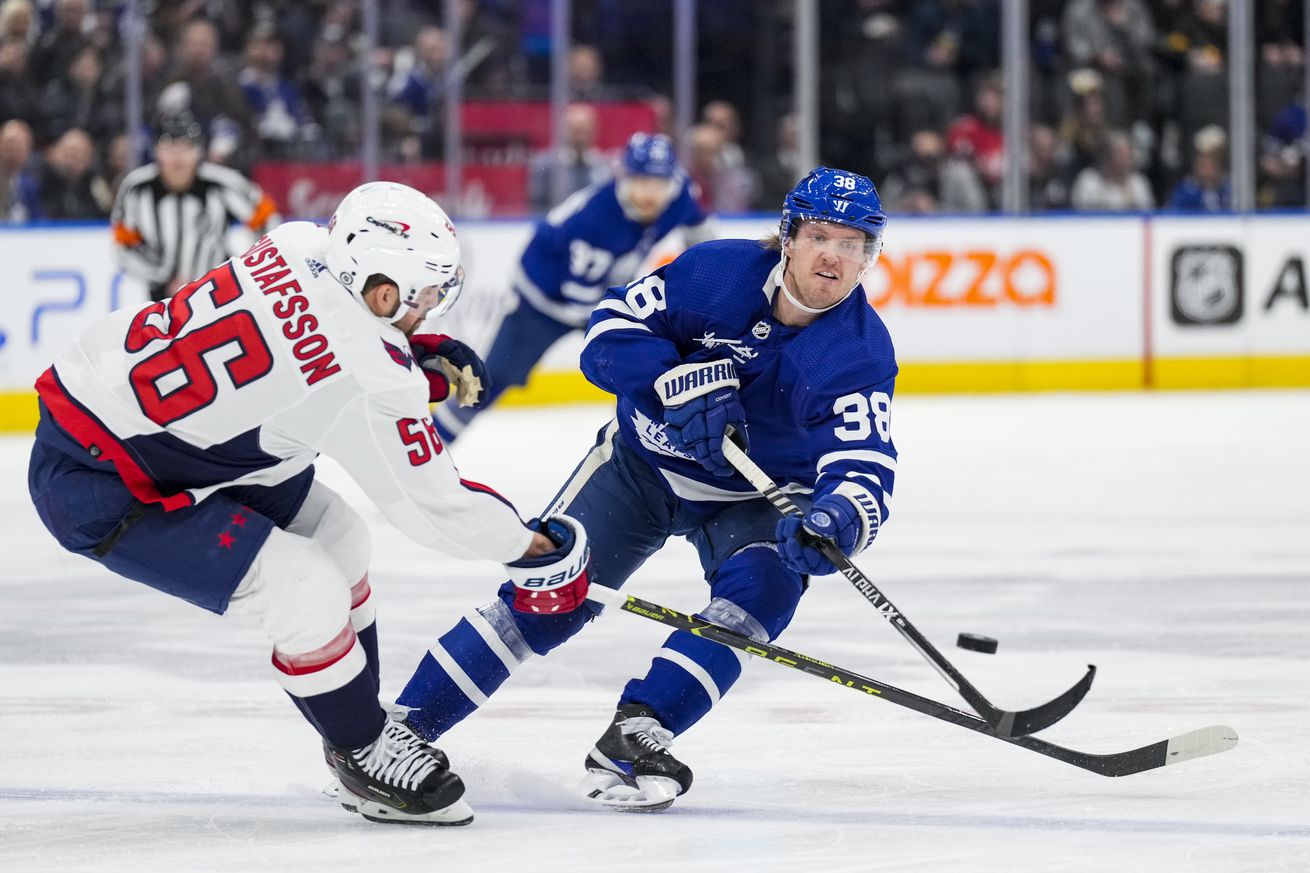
176, 447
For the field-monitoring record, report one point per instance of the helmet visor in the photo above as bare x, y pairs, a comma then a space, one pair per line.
436, 299
836, 240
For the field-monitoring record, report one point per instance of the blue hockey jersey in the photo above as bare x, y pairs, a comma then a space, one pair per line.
587, 244
817, 399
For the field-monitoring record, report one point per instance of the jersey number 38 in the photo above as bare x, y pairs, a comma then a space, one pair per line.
856, 411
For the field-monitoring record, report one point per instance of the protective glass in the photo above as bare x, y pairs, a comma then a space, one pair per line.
837, 241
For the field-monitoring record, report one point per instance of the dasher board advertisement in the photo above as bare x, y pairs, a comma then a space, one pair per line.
1230, 304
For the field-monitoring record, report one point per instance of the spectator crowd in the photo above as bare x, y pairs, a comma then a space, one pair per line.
1128, 99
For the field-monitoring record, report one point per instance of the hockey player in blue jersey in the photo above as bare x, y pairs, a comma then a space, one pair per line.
597, 238
774, 341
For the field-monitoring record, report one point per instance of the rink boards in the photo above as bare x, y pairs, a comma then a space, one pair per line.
973, 304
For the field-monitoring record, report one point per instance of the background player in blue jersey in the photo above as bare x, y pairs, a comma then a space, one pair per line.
597, 238
773, 340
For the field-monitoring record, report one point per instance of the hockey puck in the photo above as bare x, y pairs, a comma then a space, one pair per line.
977, 643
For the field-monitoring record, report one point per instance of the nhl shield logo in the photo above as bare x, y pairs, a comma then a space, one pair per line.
761, 330
1206, 285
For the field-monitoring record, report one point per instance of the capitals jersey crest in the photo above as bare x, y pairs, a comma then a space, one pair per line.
399, 355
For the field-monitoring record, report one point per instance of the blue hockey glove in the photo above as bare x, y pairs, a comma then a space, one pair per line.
700, 405
447, 363
832, 517
557, 581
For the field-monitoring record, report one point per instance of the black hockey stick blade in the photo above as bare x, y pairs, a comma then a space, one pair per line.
1197, 743
1175, 750
1039, 718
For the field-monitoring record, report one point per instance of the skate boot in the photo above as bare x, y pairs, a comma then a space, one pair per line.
332, 790
630, 769
399, 778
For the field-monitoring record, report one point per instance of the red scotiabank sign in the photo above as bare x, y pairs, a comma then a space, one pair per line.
312, 190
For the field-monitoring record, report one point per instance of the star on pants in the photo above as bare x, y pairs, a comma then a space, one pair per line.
226, 540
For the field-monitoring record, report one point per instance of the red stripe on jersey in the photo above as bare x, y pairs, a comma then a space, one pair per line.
485, 489
84, 427
359, 592
319, 659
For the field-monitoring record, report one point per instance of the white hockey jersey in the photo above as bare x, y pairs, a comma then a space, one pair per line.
249, 372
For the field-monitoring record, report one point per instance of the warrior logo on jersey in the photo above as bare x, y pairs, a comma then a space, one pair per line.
399, 355
651, 434
399, 228
740, 350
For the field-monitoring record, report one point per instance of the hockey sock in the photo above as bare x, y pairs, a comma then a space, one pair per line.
334, 690
363, 618
463, 669
686, 678
368, 639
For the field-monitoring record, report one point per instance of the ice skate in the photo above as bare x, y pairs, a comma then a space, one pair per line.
398, 779
630, 769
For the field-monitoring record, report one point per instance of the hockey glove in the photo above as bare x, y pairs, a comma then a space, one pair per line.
832, 517
447, 363
700, 405
555, 582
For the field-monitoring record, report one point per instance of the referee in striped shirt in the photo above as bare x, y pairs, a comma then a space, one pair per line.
174, 219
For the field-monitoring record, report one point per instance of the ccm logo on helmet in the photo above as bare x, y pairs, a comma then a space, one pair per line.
399, 228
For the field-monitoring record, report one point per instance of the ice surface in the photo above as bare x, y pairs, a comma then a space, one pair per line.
1163, 537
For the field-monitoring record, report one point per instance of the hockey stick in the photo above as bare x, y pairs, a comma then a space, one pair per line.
1184, 747
1005, 722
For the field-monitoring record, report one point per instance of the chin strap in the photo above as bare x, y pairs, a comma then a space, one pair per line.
401, 311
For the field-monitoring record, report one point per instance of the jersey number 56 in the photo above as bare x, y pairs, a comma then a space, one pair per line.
177, 381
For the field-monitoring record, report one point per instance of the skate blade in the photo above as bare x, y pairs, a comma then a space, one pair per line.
332, 790
458, 813
612, 791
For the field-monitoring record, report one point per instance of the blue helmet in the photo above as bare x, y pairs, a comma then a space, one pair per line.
837, 197
650, 154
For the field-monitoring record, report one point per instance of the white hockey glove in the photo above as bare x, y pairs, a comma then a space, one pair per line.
555, 582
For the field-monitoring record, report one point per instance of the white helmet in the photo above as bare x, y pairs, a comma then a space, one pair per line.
391, 229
